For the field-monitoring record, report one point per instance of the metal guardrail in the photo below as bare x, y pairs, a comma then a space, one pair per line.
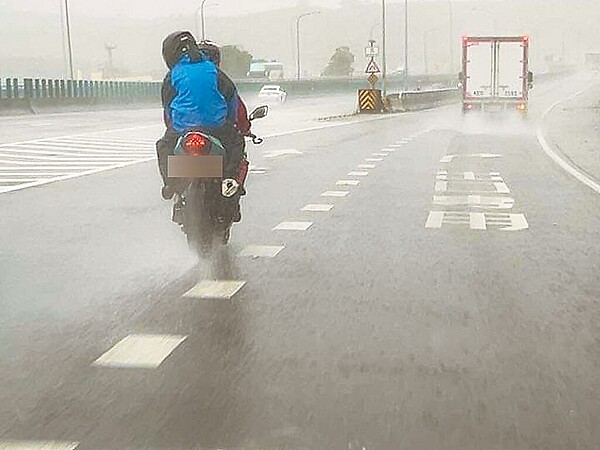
27, 95
418, 100
30, 88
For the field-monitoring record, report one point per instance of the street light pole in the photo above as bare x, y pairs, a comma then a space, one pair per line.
301, 16
203, 19
451, 36
383, 48
69, 43
405, 45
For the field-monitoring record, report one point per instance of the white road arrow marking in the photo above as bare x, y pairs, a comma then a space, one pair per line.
518, 223
441, 186
477, 221
501, 188
475, 201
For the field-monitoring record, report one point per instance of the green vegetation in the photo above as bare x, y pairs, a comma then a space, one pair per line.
341, 63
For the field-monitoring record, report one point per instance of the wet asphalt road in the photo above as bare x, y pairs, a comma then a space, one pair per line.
395, 321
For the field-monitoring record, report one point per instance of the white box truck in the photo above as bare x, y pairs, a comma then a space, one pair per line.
495, 73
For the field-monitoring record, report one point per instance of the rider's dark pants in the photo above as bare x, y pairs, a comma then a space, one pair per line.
232, 140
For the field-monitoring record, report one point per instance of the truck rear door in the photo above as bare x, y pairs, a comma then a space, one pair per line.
510, 60
479, 70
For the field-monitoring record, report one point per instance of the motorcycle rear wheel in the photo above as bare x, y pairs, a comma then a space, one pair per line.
198, 225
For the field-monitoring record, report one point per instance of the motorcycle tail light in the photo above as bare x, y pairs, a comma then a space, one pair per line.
195, 144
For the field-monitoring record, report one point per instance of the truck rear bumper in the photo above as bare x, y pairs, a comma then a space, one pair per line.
519, 105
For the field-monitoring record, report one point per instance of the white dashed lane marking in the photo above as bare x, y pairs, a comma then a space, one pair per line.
348, 183
140, 351
215, 289
335, 193
293, 226
358, 174
373, 159
317, 208
38, 445
380, 154
279, 153
262, 251
257, 170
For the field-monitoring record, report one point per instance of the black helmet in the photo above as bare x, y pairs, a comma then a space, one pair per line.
177, 44
211, 51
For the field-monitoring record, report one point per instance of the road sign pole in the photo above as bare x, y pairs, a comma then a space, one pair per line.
383, 58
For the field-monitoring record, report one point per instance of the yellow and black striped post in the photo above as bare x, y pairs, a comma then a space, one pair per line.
370, 101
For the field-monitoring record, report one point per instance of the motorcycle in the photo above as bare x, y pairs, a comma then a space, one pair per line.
206, 203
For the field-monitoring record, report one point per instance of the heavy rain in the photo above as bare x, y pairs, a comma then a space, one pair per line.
300, 225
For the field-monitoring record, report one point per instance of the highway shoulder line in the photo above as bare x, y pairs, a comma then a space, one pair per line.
579, 174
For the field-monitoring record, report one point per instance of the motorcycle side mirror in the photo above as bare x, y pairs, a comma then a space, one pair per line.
259, 113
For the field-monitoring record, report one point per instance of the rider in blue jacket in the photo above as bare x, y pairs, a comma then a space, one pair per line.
197, 95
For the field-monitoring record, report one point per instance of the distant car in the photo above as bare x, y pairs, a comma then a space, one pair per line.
272, 92
438, 86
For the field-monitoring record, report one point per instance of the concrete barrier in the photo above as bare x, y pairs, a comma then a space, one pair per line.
419, 100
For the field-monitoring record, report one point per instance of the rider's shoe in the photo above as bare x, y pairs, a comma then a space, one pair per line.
237, 215
167, 192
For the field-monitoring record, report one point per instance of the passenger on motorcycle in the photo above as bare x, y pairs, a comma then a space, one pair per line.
196, 94
242, 123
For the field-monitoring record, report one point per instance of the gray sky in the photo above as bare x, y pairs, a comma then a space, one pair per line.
154, 8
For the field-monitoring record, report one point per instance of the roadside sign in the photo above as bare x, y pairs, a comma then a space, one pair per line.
372, 68
370, 101
371, 52
373, 79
